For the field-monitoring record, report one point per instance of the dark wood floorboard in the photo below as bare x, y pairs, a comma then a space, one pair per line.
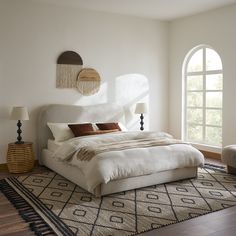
221, 223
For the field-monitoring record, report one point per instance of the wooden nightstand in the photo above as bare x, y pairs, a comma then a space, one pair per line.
20, 157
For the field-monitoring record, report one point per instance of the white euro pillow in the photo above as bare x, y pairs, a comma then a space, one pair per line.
60, 131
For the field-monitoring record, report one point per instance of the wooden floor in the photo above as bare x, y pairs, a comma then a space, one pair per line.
221, 223
10, 222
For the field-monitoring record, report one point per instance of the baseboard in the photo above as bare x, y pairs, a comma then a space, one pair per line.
212, 155
3, 166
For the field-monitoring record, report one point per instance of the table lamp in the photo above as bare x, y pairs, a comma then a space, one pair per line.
141, 108
19, 113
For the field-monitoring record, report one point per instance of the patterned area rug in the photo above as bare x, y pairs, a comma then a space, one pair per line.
70, 210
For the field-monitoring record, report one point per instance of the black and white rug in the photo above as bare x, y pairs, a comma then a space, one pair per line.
69, 210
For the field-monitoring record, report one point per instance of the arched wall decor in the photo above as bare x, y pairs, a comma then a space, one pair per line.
69, 64
88, 81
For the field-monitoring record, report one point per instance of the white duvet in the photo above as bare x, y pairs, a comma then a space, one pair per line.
114, 165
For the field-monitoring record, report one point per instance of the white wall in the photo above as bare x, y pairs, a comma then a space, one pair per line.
32, 35
217, 29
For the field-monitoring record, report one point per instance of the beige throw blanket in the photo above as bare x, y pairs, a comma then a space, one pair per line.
86, 153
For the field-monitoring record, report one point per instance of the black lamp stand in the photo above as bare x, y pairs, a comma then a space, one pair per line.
19, 138
141, 122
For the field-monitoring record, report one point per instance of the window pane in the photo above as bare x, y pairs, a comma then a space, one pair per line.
194, 83
213, 136
214, 99
214, 82
194, 116
196, 61
194, 99
213, 117
213, 61
194, 132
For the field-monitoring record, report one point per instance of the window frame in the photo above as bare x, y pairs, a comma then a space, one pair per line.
204, 73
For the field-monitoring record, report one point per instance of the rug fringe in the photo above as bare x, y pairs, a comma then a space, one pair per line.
28, 214
215, 167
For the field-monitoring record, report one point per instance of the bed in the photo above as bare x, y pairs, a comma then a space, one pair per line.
59, 113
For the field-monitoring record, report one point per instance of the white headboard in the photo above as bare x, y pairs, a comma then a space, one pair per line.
60, 113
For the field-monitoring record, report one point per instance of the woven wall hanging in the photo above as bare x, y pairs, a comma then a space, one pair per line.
69, 64
88, 81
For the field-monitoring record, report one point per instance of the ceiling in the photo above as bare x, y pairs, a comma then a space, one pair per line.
156, 9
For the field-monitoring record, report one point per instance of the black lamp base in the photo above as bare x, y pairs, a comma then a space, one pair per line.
141, 122
19, 138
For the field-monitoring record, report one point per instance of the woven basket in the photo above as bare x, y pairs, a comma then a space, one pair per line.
20, 157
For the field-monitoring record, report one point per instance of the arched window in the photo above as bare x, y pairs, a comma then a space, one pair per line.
202, 96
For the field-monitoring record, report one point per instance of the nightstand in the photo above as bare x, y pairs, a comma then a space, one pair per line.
20, 157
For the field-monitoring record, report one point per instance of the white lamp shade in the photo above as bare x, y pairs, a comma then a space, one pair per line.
140, 108
19, 113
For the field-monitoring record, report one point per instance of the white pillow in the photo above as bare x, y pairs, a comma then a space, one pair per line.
60, 131
123, 128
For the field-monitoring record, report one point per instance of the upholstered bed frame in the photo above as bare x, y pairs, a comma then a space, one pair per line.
96, 113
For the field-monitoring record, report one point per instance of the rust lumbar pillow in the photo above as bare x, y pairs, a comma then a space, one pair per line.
108, 126
81, 129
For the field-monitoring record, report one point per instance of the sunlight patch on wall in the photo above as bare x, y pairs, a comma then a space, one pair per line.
129, 90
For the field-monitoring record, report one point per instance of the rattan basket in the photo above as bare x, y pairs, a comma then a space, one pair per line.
20, 157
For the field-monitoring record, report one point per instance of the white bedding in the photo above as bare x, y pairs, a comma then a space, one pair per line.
53, 145
114, 165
